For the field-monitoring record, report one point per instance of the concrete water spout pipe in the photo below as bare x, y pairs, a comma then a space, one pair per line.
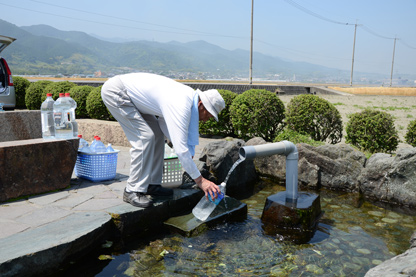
286, 148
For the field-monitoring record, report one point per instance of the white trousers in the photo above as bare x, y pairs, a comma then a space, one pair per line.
142, 131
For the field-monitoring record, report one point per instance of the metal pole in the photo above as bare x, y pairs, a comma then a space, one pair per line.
353, 52
251, 45
392, 62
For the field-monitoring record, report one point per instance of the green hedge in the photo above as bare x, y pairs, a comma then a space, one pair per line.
295, 137
20, 86
411, 133
257, 113
80, 95
314, 116
33, 97
95, 106
373, 131
56, 88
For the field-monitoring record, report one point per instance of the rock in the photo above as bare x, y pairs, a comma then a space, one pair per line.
338, 165
219, 157
390, 179
401, 265
363, 251
413, 240
331, 166
272, 166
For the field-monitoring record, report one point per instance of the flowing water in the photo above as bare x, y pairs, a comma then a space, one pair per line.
240, 160
351, 238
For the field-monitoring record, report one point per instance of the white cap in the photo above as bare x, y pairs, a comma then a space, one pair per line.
212, 101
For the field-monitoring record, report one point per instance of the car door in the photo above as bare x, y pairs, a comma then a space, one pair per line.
7, 91
5, 41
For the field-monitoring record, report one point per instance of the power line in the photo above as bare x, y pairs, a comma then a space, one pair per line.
407, 45
120, 18
374, 33
125, 26
300, 7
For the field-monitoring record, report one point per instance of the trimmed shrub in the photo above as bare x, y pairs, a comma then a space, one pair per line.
257, 113
80, 94
296, 137
314, 116
20, 86
33, 97
56, 88
223, 127
411, 133
95, 106
372, 131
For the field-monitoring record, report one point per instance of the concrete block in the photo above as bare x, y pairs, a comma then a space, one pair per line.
20, 125
35, 166
109, 131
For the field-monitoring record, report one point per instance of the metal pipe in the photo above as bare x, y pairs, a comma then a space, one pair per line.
286, 148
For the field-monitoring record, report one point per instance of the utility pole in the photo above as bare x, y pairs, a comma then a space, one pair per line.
251, 46
392, 62
353, 52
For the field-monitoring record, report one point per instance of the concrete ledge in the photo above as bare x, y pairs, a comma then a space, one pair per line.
109, 131
40, 250
35, 166
20, 125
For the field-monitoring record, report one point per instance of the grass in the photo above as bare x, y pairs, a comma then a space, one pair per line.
378, 90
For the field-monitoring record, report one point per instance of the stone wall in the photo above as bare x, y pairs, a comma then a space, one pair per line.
108, 131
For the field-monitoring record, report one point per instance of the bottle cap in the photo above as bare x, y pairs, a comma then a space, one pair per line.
67, 94
61, 94
80, 136
48, 94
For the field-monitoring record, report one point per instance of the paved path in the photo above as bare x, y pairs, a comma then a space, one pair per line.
47, 227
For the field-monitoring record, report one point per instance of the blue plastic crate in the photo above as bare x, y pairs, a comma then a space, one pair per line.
96, 167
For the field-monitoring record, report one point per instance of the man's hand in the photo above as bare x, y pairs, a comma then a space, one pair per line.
208, 187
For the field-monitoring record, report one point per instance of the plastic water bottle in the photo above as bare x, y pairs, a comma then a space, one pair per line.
110, 148
46, 113
205, 207
61, 114
72, 113
85, 149
93, 142
99, 146
82, 142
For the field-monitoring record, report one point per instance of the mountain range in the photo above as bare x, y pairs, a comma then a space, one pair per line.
42, 49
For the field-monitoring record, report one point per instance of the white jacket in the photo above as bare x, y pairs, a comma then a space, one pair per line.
172, 102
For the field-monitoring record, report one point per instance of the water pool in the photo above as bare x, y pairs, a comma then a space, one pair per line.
352, 237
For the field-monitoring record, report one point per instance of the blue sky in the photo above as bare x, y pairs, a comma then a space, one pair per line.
314, 31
